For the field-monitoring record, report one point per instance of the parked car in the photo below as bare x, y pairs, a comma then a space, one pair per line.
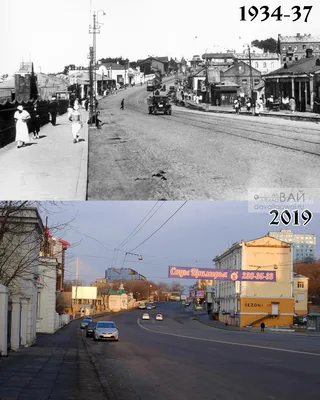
146, 316
106, 330
159, 317
85, 322
142, 306
90, 329
159, 104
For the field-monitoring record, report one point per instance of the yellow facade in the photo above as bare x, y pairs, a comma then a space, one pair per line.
272, 301
277, 311
300, 292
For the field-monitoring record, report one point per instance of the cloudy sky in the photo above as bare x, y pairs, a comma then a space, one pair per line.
192, 237
55, 34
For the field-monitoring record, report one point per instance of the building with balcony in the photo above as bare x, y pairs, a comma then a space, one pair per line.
248, 303
126, 274
293, 48
303, 244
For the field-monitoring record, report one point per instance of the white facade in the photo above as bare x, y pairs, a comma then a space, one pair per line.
84, 292
46, 307
22, 247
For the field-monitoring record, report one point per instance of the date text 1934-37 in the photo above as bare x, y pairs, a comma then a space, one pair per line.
265, 12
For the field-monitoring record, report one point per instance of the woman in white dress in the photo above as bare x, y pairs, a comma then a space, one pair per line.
22, 133
77, 123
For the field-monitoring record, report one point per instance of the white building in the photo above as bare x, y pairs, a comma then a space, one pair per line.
22, 245
84, 299
304, 244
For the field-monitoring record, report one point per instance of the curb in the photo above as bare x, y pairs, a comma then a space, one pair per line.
103, 380
289, 117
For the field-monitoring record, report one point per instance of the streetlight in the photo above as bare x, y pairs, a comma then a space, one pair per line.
251, 83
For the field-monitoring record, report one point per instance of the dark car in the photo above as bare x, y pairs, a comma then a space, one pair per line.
85, 322
90, 329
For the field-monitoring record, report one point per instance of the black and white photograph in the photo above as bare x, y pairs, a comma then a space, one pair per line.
150, 101
159, 200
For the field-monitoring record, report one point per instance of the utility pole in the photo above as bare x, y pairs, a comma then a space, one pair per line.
91, 84
77, 277
94, 30
251, 84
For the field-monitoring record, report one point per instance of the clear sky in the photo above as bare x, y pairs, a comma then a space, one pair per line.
193, 237
55, 33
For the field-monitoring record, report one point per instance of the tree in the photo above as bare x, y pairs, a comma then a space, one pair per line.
270, 45
115, 60
22, 241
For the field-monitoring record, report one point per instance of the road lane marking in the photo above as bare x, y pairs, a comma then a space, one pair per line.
230, 343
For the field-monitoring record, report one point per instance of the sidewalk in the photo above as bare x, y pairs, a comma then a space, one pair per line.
297, 116
49, 168
204, 319
57, 367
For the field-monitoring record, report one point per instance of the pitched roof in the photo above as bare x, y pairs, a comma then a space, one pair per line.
163, 59
303, 66
113, 66
218, 55
299, 38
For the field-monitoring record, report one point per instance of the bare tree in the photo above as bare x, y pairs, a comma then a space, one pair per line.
23, 239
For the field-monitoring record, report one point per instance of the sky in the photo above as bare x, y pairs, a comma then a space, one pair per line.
196, 234
55, 34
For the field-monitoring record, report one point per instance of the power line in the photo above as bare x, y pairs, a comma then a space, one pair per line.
160, 226
132, 233
135, 231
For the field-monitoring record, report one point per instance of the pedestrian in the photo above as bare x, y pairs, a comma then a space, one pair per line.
262, 326
259, 106
248, 103
54, 107
292, 105
77, 124
35, 121
95, 120
236, 105
122, 104
21, 117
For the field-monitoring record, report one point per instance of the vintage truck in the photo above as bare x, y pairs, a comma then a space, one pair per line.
159, 104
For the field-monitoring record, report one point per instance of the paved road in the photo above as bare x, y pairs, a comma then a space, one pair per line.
56, 368
195, 155
180, 358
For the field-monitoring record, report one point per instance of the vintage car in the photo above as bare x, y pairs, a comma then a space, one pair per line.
159, 104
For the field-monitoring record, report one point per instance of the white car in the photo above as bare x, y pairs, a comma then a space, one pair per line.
106, 330
159, 317
146, 316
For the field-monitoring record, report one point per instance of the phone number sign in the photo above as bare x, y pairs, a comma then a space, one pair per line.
221, 274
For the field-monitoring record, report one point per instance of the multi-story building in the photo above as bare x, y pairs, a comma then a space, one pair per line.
293, 48
127, 274
304, 244
244, 303
300, 293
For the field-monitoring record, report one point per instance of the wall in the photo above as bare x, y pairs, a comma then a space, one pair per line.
253, 308
47, 295
265, 256
300, 304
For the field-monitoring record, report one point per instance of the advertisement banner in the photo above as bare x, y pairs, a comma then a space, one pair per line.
222, 274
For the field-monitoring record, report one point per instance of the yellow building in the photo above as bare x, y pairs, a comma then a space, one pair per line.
244, 303
300, 293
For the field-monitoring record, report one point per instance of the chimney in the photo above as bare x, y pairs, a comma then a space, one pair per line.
309, 53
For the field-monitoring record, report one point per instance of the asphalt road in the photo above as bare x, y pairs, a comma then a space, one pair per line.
180, 358
192, 155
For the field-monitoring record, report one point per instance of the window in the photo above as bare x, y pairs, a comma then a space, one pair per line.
272, 64
264, 65
256, 65
296, 58
290, 58
244, 81
256, 81
300, 285
304, 47
284, 48
284, 59
290, 48
296, 47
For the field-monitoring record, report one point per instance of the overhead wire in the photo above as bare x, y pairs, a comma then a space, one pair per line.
157, 230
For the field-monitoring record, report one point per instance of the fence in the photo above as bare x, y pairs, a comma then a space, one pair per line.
7, 110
